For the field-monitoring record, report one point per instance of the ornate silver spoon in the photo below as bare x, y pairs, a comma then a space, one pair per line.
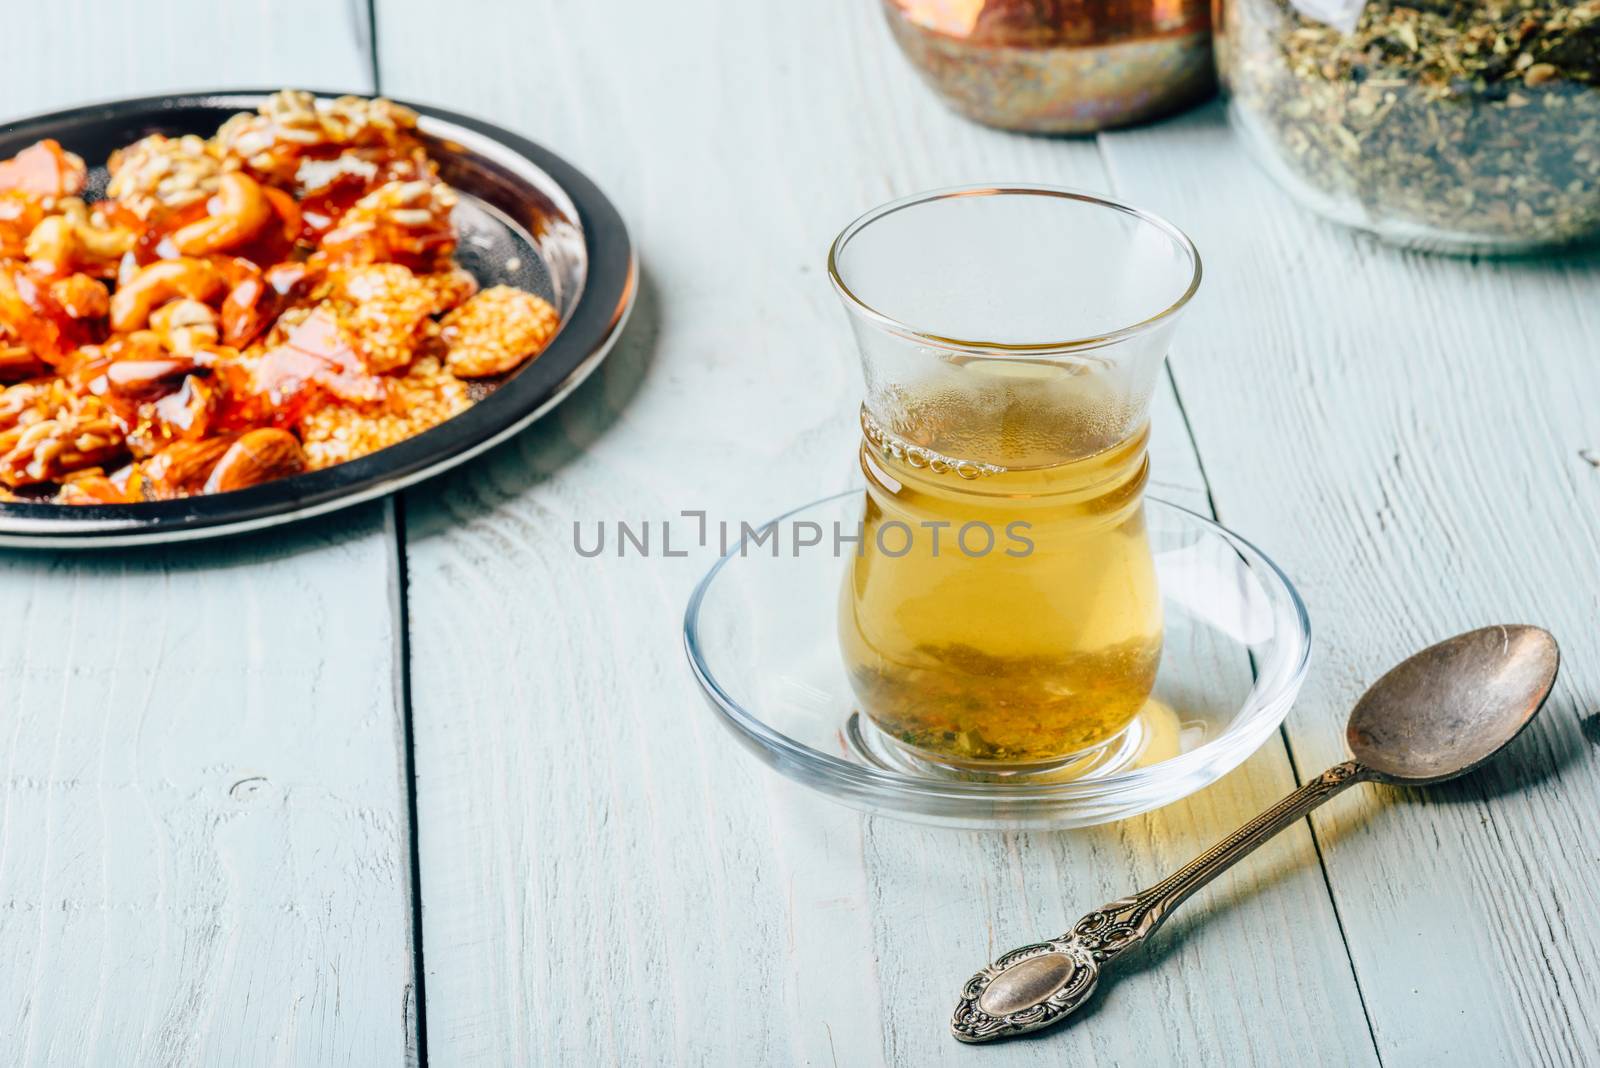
1435, 716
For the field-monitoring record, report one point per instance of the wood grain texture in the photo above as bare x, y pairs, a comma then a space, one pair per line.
203, 834
70, 52
607, 878
1406, 434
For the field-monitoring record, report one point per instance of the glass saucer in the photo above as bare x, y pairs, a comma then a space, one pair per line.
761, 636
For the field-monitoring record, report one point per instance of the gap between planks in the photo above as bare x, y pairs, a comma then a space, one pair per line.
399, 600
400, 603
1109, 166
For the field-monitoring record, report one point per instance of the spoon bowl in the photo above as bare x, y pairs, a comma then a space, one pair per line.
1449, 708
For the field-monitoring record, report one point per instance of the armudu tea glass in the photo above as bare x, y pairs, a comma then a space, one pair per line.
1003, 612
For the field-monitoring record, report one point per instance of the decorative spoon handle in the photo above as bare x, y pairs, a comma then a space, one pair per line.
1034, 986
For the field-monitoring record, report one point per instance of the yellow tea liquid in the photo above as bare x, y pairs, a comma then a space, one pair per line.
1042, 647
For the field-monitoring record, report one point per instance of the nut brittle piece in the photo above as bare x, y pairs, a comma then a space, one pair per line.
398, 222
290, 126
48, 441
26, 400
496, 330
450, 288
386, 308
158, 173
425, 396
307, 359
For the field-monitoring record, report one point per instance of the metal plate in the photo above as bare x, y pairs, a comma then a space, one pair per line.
527, 218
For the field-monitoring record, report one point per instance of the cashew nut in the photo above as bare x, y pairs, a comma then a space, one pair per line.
158, 283
75, 240
238, 213
81, 297
98, 238
52, 244
184, 326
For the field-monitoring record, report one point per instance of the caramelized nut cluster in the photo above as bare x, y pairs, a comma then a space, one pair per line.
277, 298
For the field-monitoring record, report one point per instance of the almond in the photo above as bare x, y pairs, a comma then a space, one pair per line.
182, 467
258, 456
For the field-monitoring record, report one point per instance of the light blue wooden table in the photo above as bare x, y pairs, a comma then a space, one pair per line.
416, 782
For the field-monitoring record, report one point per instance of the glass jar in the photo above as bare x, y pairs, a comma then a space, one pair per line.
1457, 125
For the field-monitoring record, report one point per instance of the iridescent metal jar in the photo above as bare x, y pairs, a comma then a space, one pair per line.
1059, 66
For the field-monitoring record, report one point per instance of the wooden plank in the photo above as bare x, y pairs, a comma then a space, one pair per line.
77, 51
605, 876
203, 834
1405, 433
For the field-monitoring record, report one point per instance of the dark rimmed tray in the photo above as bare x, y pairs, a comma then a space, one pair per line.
528, 218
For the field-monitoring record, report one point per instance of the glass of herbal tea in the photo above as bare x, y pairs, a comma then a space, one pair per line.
1001, 611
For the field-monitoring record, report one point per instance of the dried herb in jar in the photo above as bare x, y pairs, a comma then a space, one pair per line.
1473, 122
